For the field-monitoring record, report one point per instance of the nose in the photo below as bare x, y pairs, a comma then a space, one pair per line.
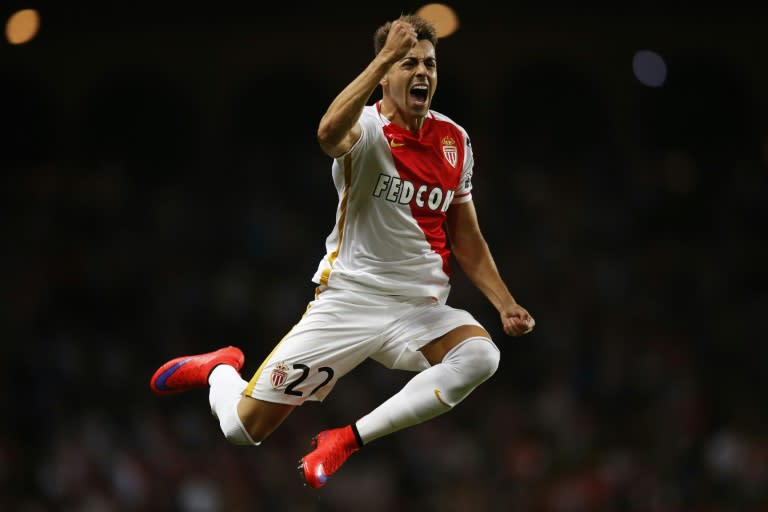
422, 64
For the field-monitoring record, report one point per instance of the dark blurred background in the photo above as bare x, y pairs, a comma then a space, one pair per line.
163, 194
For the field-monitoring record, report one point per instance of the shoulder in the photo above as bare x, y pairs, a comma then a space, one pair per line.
369, 120
442, 118
439, 116
370, 113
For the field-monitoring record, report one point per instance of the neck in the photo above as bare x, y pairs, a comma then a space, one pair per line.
400, 118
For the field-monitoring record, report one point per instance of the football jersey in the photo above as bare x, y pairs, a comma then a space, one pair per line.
395, 187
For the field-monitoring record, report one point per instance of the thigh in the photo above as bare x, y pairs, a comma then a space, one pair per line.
426, 321
338, 332
436, 349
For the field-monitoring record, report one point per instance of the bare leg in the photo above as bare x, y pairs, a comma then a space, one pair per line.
261, 418
243, 420
436, 349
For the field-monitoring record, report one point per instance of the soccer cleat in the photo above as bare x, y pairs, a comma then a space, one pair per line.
191, 372
331, 450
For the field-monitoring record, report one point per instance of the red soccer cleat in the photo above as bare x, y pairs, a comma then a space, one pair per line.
331, 450
191, 372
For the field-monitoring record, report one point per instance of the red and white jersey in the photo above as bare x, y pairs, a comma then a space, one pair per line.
394, 188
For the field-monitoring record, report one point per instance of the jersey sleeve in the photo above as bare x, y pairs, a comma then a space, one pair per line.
369, 124
464, 189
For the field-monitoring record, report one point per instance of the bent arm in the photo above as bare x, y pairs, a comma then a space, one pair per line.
339, 129
472, 253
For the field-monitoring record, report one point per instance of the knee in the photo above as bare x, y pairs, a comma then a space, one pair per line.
475, 359
480, 356
469, 364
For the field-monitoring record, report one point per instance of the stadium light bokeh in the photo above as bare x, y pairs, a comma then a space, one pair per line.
22, 26
650, 68
444, 17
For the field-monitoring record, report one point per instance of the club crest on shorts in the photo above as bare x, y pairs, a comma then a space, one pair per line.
279, 375
449, 150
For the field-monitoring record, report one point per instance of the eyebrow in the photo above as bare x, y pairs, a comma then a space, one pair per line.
411, 57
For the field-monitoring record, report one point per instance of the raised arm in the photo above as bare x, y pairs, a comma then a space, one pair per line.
473, 255
339, 129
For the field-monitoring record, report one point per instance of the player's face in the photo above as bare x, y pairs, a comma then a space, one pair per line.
411, 82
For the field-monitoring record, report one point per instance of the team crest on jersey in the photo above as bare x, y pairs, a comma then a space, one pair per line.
449, 150
279, 375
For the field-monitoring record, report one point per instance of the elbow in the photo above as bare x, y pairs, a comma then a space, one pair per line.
324, 139
334, 137
460, 257
470, 254
323, 133
462, 247
328, 132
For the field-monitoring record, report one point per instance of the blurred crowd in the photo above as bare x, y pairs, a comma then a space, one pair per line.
643, 260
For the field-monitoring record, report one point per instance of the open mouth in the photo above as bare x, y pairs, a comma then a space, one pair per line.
419, 93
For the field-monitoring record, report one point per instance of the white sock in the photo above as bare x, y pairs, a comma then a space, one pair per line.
226, 390
435, 390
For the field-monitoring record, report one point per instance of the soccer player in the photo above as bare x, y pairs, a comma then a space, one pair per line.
403, 175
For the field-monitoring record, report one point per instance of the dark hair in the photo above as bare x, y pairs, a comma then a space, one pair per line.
424, 30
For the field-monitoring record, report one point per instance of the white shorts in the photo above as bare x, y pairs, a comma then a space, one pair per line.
339, 330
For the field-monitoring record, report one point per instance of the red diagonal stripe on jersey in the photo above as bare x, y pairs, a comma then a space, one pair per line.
421, 160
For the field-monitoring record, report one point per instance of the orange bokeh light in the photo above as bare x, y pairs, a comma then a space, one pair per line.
444, 18
22, 26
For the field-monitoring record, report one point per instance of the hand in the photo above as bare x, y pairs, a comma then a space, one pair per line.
516, 320
401, 38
